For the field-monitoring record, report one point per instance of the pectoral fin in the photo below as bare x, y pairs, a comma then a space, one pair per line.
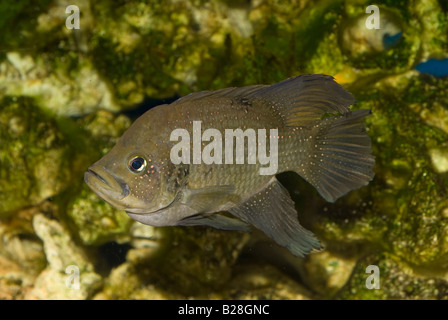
272, 211
206, 199
216, 221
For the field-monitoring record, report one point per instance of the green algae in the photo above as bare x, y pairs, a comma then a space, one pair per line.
19, 18
95, 221
129, 50
33, 156
396, 281
404, 213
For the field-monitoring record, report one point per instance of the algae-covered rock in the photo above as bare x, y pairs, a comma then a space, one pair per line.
408, 190
396, 280
200, 259
326, 272
64, 85
60, 87
188, 46
164, 273
391, 48
103, 129
127, 282
34, 155
164, 49
61, 78
185, 263
97, 222
403, 212
263, 282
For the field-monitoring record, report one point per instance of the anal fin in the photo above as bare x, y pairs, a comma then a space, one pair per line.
272, 211
216, 221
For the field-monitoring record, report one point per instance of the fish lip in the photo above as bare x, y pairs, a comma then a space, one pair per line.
106, 184
97, 176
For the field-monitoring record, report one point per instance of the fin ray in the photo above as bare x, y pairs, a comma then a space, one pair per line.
272, 211
303, 99
203, 199
307, 97
344, 160
216, 221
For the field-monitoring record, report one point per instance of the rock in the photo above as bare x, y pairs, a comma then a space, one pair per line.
34, 156
19, 243
139, 278
144, 236
61, 94
14, 280
439, 159
262, 282
21, 257
197, 260
62, 80
134, 280
69, 274
397, 280
95, 221
103, 130
185, 262
82, 91
326, 273
359, 40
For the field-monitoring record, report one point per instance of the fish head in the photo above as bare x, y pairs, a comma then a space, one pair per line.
135, 176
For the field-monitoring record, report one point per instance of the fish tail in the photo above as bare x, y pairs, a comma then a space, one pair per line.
342, 159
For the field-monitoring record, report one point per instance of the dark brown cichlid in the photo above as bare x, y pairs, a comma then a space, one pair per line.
332, 153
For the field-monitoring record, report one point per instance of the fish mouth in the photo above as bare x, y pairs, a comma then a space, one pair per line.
105, 184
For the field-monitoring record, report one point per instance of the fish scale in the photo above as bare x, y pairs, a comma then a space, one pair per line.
244, 177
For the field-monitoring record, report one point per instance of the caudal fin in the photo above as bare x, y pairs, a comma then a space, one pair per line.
342, 159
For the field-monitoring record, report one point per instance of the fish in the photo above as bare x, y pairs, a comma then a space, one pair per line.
317, 136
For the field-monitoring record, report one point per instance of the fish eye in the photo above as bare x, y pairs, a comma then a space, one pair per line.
137, 164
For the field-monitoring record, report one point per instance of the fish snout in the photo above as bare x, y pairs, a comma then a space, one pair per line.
105, 183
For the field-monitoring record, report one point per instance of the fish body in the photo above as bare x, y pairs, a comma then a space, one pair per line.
333, 153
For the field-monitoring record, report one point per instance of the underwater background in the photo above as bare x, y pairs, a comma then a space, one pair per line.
67, 94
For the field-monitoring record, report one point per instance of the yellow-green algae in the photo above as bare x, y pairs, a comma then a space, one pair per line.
130, 52
34, 156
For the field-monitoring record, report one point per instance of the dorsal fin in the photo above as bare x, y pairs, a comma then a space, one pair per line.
307, 98
231, 93
303, 99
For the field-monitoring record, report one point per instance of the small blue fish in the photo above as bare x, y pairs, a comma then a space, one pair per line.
435, 67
